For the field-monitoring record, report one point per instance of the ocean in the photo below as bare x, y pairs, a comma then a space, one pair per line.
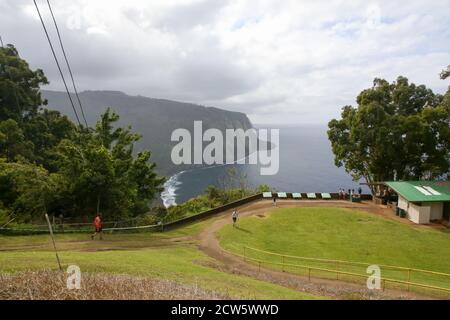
306, 165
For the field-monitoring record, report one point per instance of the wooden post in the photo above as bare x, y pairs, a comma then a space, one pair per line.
409, 278
53, 240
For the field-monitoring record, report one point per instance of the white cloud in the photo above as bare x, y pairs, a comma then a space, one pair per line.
279, 61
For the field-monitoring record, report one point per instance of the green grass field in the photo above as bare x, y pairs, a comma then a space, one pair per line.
151, 255
343, 234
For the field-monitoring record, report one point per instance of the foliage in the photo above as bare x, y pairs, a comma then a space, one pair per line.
398, 131
12, 141
48, 164
27, 189
445, 73
19, 86
103, 173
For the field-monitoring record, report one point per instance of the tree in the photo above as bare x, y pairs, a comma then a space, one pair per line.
398, 131
12, 141
26, 189
45, 130
19, 86
48, 164
104, 174
445, 73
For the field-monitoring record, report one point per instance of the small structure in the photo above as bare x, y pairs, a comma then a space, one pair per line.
423, 201
267, 195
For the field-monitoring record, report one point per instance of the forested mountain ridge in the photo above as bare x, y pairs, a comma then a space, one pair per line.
154, 119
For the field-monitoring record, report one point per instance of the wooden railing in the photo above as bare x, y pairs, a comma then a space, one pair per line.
338, 264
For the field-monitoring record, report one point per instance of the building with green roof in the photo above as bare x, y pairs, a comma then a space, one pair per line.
423, 201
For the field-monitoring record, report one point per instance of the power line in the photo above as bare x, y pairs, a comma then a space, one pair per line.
67, 62
57, 62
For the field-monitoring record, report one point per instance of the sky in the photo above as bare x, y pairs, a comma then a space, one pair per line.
280, 62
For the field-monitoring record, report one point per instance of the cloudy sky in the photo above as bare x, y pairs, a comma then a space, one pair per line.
278, 61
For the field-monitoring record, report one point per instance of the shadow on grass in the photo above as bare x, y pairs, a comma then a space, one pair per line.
242, 229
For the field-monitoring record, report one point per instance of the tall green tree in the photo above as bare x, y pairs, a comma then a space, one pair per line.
21, 106
398, 131
20, 96
48, 164
27, 190
104, 174
12, 141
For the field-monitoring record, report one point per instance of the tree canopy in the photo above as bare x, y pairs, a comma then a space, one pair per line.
397, 131
49, 164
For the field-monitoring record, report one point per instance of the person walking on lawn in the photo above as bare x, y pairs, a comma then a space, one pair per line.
235, 216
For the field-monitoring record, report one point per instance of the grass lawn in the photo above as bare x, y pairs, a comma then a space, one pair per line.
342, 234
150, 255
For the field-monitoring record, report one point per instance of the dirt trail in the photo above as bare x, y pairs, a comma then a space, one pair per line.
209, 243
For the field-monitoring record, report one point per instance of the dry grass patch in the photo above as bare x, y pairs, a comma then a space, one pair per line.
51, 285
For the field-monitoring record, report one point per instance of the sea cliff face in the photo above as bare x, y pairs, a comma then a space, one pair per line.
154, 119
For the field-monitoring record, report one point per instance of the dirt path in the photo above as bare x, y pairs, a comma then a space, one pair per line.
209, 243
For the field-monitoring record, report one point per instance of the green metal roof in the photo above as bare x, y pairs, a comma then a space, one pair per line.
421, 191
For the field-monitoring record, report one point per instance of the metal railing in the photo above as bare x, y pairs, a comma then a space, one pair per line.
337, 271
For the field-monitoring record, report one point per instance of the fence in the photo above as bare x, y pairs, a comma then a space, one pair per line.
129, 225
211, 212
348, 270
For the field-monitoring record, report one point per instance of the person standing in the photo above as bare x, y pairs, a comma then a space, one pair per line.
97, 226
234, 216
359, 191
274, 201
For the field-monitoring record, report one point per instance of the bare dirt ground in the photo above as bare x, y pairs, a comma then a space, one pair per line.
209, 243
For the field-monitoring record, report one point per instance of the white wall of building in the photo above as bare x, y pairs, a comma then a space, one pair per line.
419, 214
422, 214
436, 210
402, 203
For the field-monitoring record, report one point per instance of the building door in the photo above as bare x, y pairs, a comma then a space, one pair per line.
447, 211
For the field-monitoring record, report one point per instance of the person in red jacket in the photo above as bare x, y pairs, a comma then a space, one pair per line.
98, 226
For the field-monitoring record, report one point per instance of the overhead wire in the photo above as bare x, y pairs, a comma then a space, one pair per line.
57, 63
67, 63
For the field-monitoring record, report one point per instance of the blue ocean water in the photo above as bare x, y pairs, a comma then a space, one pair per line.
306, 165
